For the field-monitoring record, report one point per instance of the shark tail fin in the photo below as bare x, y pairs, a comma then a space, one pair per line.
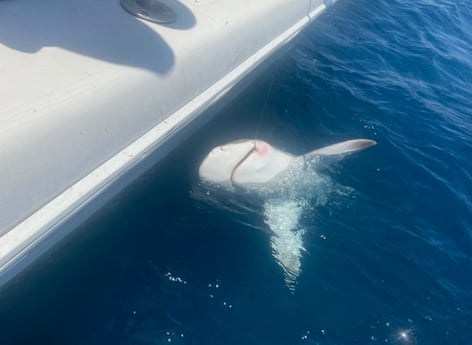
341, 149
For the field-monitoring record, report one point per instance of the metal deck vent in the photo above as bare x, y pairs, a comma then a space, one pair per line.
152, 10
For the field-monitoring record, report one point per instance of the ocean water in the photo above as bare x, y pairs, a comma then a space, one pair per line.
387, 237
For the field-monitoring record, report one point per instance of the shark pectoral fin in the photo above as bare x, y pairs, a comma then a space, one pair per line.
342, 148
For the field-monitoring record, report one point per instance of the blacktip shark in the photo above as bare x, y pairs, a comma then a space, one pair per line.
256, 166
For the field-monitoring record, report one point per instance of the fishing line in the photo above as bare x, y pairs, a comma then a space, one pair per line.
231, 179
264, 107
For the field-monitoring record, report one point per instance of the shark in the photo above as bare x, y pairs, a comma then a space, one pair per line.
281, 179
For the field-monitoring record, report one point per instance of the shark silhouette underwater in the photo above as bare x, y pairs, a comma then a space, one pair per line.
280, 178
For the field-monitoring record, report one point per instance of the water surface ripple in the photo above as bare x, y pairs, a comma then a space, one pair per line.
387, 262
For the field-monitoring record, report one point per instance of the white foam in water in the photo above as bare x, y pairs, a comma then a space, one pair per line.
293, 194
282, 217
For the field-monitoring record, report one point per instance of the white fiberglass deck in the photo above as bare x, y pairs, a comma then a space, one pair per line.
87, 92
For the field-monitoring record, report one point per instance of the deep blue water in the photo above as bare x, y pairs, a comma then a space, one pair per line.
387, 263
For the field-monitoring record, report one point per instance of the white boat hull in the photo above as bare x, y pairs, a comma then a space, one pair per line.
91, 97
